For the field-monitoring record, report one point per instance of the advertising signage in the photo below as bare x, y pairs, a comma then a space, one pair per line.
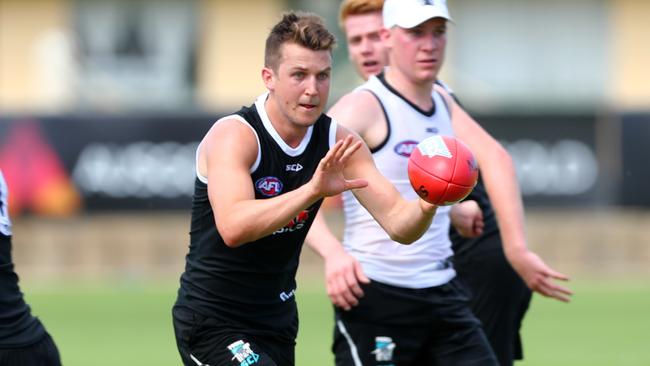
62, 165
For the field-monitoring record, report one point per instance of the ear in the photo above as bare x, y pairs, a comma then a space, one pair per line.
268, 76
384, 34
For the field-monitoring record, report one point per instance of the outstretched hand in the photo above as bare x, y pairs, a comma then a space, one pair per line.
539, 276
328, 179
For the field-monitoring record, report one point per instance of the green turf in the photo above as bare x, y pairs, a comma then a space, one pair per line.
108, 324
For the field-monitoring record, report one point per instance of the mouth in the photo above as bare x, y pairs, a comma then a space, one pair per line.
370, 64
428, 62
308, 107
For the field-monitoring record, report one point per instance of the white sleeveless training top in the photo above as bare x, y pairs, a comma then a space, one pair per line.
423, 263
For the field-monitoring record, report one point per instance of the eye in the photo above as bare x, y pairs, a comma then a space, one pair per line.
354, 40
417, 31
323, 76
440, 32
298, 75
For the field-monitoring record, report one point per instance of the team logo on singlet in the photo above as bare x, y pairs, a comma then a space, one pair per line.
405, 148
269, 186
434, 146
243, 353
296, 223
384, 347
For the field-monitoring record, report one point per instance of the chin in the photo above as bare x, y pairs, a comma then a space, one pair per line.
307, 119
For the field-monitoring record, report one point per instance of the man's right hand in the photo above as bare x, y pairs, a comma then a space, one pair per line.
328, 179
344, 276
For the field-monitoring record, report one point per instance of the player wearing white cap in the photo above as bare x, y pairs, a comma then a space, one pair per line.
413, 311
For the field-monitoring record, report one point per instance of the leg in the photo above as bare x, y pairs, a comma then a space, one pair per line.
456, 338
42, 353
200, 342
387, 327
499, 297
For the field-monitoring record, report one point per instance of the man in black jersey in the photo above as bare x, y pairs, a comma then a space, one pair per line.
269, 166
23, 338
499, 295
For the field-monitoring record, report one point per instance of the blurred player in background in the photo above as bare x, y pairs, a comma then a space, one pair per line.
23, 338
500, 297
269, 166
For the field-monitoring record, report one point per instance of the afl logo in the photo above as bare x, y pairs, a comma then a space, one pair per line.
405, 148
269, 186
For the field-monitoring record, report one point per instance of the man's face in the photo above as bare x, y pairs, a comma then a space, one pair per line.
301, 84
365, 46
418, 52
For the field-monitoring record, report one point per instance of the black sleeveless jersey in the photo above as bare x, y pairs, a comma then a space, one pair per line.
252, 287
18, 328
465, 246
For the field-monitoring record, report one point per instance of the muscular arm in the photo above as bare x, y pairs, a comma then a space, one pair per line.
498, 173
226, 155
404, 221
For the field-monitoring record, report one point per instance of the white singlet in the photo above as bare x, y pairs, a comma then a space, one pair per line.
424, 263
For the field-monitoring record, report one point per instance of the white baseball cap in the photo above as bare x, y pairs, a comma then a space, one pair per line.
410, 13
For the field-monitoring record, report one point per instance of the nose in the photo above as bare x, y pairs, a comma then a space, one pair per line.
430, 42
311, 86
366, 46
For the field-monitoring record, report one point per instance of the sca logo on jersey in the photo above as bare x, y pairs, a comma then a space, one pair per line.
269, 186
296, 223
294, 167
405, 148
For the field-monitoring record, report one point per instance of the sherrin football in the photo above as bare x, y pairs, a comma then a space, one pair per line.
442, 170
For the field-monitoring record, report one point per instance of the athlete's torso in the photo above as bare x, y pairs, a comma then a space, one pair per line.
467, 247
423, 263
253, 285
18, 327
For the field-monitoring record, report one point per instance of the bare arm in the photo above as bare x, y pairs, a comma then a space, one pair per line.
343, 273
226, 155
404, 221
498, 173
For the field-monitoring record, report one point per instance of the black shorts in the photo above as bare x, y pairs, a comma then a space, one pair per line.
41, 353
206, 341
498, 296
399, 326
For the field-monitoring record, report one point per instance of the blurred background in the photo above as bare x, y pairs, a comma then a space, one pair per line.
103, 102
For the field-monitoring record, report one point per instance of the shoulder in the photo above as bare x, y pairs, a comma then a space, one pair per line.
231, 136
357, 110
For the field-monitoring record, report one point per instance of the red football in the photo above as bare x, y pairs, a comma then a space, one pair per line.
442, 170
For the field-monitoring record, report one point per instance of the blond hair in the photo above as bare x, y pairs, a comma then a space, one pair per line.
358, 7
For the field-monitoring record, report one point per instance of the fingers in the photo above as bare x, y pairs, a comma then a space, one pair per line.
551, 290
341, 152
350, 150
342, 294
344, 284
546, 287
361, 276
557, 275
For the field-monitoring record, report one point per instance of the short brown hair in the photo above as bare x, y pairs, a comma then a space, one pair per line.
358, 7
305, 29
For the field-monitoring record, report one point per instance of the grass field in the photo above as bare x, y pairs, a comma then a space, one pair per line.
109, 324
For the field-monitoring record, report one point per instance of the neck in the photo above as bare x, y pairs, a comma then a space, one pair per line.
418, 93
291, 133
